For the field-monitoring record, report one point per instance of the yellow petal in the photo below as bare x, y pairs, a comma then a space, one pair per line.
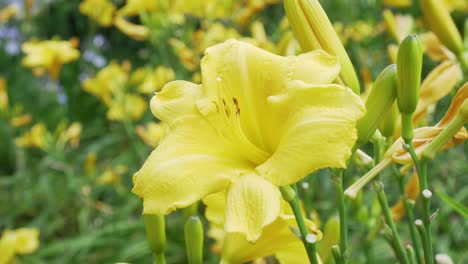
27, 240
191, 161
252, 203
241, 77
440, 81
317, 131
137, 32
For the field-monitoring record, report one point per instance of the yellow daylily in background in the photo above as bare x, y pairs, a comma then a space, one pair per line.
49, 55
3, 95
37, 137
131, 106
154, 80
21, 120
71, 135
434, 48
258, 121
101, 11
412, 192
107, 81
277, 238
8, 12
438, 83
19, 241
152, 133
137, 32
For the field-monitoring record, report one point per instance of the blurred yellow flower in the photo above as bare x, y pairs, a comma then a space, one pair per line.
137, 32
412, 193
101, 11
71, 135
111, 176
434, 48
7, 13
3, 95
152, 133
19, 241
187, 57
438, 83
49, 55
277, 239
131, 106
135, 7
156, 79
397, 3
107, 81
257, 122
22, 120
37, 137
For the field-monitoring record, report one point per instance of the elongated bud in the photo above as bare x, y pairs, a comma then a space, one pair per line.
409, 64
156, 234
438, 18
313, 30
379, 101
389, 123
194, 240
454, 126
288, 193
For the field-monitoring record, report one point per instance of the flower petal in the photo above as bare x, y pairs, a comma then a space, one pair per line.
252, 203
191, 161
317, 128
240, 77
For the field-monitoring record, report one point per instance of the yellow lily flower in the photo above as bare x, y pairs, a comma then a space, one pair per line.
101, 11
434, 48
3, 95
397, 3
7, 13
108, 80
22, 120
49, 55
258, 121
135, 7
277, 238
438, 83
37, 137
451, 5
152, 133
71, 135
412, 192
19, 241
137, 32
155, 80
131, 106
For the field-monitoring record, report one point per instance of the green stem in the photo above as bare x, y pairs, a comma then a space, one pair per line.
399, 250
343, 216
159, 259
382, 198
310, 247
421, 168
410, 215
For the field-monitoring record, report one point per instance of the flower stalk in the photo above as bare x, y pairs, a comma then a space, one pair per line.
289, 194
156, 235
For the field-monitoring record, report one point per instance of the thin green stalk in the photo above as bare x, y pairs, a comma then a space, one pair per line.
382, 198
410, 215
399, 250
310, 247
159, 259
410, 252
342, 214
421, 167
337, 255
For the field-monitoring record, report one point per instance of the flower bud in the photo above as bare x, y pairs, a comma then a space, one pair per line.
409, 64
155, 232
313, 30
438, 18
194, 240
388, 124
288, 193
453, 127
379, 101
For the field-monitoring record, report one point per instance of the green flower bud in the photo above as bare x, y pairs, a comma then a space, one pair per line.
438, 18
313, 30
379, 101
409, 64
194, 240
453, 127
155, 233
288, 193
389, 123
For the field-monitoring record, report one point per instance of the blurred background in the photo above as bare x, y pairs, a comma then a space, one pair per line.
76, 78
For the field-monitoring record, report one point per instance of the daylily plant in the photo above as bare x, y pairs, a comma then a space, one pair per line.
257, 121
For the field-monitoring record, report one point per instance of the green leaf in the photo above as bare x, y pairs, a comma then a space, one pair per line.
461, 209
